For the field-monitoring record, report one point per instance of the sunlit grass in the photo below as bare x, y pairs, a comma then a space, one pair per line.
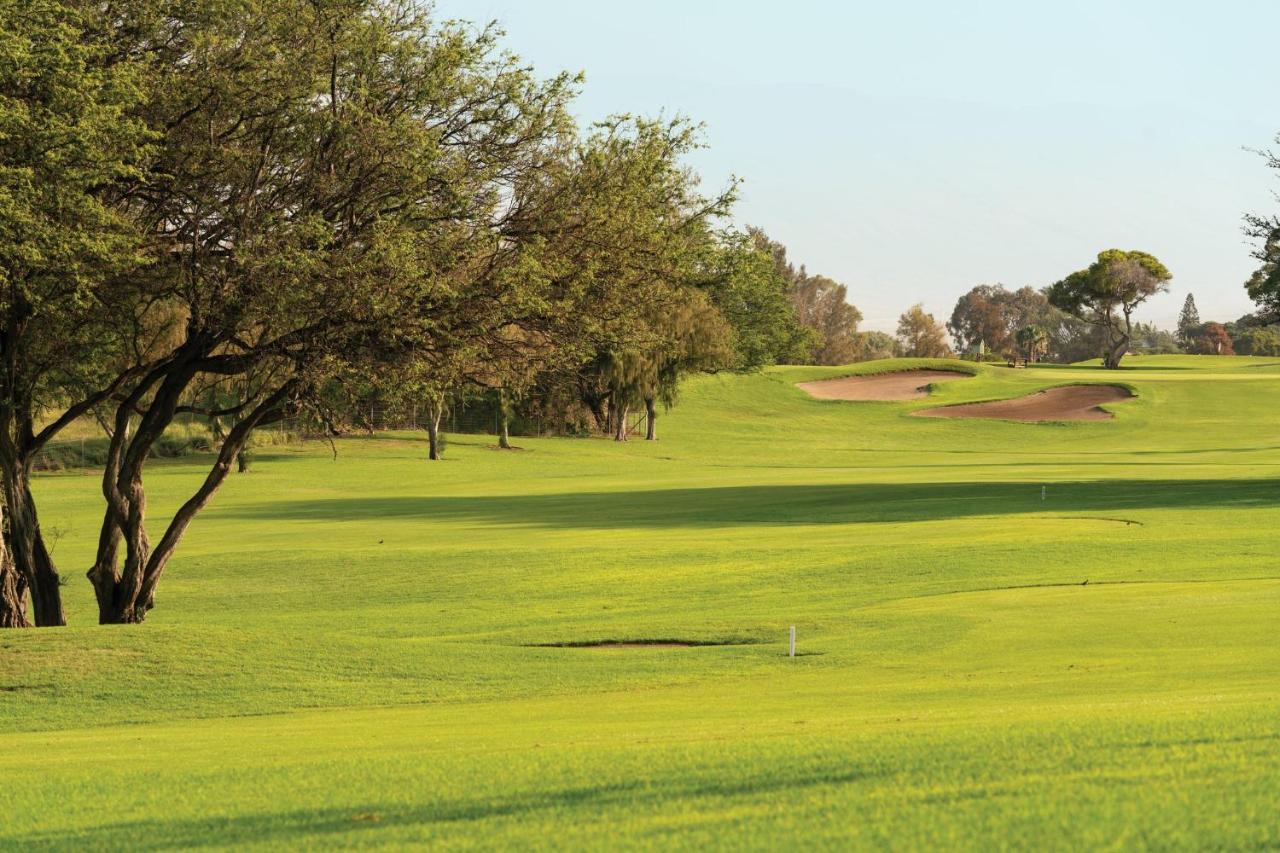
349, 650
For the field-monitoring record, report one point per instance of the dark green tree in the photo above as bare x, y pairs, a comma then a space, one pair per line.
1188, 321
1108, 292
70, 149
325, 168
821, 306
754, 297
1264, 285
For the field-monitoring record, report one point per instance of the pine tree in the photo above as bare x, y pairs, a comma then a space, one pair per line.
1188, 321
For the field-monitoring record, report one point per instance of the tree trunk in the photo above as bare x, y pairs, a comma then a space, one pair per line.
29, 553
621, 433
651, 420
13, 595
504, 418
126, 593
242, 461
434, 412
1115, 352
596, 405
105, 574
13, 587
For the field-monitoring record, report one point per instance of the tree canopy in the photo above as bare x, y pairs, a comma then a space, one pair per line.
921, 335
71, 143
249, 211
1106, 293
1188, 320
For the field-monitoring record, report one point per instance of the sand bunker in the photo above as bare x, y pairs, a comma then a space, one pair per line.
905, 385
1067, 403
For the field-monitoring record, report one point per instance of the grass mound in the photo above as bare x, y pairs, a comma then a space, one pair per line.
905, 385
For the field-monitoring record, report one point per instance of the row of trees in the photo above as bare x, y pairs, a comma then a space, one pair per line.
257, 211
1088, 313
1252, 334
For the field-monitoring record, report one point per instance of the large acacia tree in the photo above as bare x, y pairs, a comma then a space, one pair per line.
70, 146
302, 192
1108, 292
331, 175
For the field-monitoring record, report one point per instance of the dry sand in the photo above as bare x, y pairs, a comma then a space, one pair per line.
905, 385
1068, 403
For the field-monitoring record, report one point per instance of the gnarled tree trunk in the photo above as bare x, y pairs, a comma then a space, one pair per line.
126, 593
13, 587
1115, 352
1117, 341
13, 595
28, 551
651, 420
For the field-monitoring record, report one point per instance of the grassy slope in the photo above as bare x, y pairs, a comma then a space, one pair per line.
340, 654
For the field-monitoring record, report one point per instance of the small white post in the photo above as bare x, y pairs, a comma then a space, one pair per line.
793, 641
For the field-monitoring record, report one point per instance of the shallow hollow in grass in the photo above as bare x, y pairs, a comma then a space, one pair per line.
643, 643
881, 387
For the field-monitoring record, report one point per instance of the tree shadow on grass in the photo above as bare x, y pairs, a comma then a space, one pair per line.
726, 506
296, 826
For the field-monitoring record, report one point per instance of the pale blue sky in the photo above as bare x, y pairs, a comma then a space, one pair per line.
915, 149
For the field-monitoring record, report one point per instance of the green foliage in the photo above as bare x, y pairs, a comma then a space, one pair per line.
69, 147
1188, 320
755, 300
981, 319
877, 345
1033, 340
828, 322
1263, 340
1151, 340
822, 304
1107, 292
1264, 285
991, 315
920, 335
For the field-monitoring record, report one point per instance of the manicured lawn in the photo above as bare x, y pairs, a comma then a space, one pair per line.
352, 650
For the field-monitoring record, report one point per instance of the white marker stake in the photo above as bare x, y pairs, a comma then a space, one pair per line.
793, 641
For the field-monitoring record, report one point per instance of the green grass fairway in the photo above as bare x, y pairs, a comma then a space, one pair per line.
355, 651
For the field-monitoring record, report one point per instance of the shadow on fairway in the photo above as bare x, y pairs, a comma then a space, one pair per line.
287, 827
781, 504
